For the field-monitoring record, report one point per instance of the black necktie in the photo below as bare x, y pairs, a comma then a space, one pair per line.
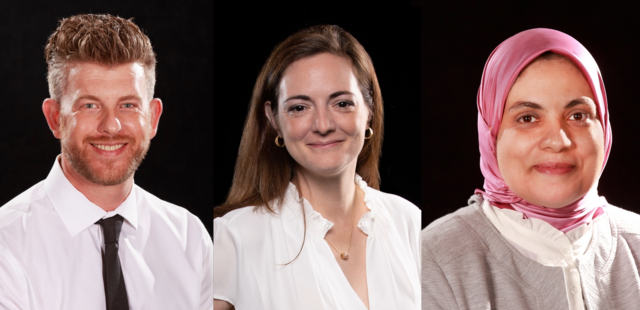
114, 289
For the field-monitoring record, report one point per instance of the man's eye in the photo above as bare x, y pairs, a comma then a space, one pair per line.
127, 105
90, 106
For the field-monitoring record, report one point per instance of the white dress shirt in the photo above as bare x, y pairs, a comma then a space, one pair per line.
543, 243
50, 251
252, 249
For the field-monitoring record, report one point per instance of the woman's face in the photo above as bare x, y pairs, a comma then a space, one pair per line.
550, 146
321, 115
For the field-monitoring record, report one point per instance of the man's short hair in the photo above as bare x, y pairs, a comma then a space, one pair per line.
104, 39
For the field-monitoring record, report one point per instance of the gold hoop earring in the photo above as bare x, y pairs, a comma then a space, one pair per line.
278, 144
370, 131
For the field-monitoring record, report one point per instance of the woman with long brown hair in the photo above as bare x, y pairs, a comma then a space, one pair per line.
304, 225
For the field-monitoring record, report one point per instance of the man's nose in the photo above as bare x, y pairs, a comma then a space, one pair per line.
110, 124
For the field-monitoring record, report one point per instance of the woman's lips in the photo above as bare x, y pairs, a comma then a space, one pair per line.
325, 144
554, 168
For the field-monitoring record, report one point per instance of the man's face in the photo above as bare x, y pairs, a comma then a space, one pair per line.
106, 121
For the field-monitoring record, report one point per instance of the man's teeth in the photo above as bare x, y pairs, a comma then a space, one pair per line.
109, 147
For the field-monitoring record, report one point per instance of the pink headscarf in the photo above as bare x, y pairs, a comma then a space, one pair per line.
500, 72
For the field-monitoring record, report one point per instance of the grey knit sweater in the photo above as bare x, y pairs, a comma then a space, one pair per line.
467, 264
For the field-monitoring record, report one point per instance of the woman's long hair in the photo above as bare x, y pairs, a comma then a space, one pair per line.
263, 170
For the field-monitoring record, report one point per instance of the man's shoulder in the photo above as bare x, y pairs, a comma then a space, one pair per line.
165, 213
21, 204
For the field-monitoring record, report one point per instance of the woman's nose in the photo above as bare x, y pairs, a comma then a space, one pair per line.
555, 138
323, 122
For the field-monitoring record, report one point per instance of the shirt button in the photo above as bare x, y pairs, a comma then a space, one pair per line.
574, 289
566, 251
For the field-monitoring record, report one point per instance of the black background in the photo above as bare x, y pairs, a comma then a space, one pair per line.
391, 36
457, 39
178, 167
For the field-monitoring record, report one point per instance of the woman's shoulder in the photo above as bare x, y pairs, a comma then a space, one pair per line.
245, 219
626, 222
464, 230
395, 204
457, 221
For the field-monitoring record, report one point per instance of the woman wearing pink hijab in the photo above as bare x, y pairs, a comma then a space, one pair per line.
538, 236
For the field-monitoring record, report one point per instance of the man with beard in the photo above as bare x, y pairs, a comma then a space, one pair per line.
87, 237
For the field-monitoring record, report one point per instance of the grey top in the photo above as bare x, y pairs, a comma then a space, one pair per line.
467, 264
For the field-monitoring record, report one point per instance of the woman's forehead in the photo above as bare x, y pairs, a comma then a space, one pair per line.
550, 83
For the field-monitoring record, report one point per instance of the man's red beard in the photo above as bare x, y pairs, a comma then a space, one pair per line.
104, 171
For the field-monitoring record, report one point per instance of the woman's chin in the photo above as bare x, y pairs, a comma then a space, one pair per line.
550, 194
326, 171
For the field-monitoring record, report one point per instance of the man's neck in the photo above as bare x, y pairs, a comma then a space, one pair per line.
106, 197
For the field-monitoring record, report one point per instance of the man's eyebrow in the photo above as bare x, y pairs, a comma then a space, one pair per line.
576, 102
301, 97
86, 97
525, 104
340, 93
94, 98
130, 97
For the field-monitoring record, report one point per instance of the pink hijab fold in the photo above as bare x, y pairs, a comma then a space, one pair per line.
501, 70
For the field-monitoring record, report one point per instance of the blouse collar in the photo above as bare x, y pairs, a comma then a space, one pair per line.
536, 238
318, 224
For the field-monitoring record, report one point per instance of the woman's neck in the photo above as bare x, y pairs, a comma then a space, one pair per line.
333, 197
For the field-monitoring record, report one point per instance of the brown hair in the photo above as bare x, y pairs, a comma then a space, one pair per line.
263, 171
103, 39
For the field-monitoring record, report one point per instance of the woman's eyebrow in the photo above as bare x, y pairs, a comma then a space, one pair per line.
525, 104
576, 102
340, 93
301, 97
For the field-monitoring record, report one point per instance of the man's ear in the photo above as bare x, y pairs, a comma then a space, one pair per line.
272, 118
155, 108
51, 110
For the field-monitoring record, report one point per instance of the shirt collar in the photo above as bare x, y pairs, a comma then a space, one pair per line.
315, 221
539, 239
75, 210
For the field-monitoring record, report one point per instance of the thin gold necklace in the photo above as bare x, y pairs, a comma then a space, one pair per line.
345, 255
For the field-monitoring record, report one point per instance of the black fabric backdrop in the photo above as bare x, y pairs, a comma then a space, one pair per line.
391, 36
178, 167
457, 39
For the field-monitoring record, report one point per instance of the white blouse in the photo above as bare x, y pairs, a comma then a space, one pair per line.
543, 243
252, 248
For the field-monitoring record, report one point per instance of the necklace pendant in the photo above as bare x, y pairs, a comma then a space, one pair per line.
344, 255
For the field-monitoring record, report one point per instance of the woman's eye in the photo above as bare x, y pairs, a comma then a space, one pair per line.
527, 119
297, 108
579, 116
344, 104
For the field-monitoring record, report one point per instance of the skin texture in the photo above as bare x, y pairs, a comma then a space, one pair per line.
550, 152
322, 118
103, 106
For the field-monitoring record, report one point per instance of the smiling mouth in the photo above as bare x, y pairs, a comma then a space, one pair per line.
327, 144
554, 168
109, 148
